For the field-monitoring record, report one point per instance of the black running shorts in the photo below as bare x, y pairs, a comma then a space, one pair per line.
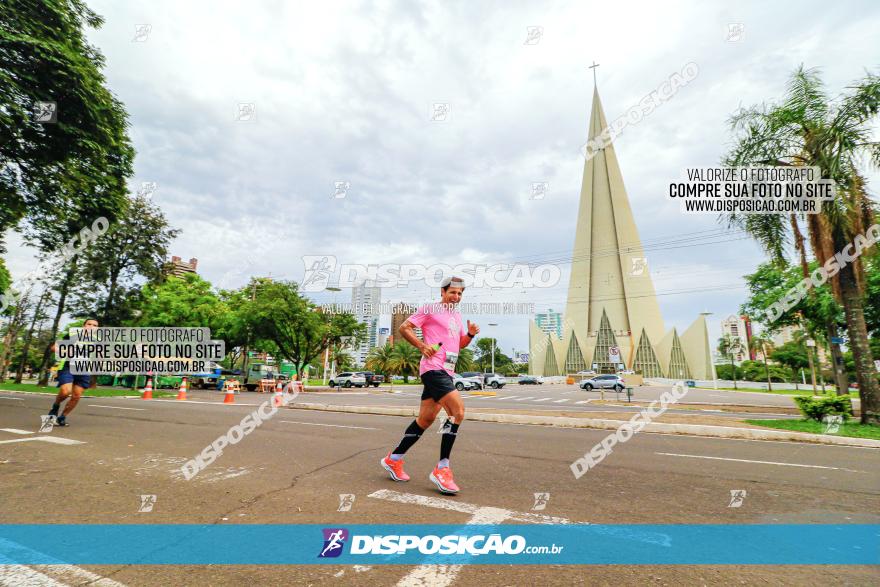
437, 384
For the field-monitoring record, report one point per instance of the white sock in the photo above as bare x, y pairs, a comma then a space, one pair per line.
396, 457
443, 463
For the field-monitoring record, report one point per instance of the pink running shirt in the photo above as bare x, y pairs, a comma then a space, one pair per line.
439, 323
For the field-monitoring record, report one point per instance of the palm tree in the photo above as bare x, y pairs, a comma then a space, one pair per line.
381, 360
342, 358
807, 129
730, 346
759, 343
465, 360
405, 359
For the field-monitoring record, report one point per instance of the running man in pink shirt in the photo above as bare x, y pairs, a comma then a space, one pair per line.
445, 335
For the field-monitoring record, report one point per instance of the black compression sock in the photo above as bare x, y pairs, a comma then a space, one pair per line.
448, 439
412, 434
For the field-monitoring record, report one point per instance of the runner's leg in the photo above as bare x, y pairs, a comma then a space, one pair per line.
63, 393
454, 406
74, 399
428, 411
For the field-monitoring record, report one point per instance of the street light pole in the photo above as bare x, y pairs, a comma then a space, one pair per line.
327, 349
493, 347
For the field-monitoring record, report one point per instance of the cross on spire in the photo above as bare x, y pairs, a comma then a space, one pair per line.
593, 67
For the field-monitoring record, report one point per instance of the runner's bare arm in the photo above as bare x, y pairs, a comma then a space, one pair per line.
407, 332
466, 340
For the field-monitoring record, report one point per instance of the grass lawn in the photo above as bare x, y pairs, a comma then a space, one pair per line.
97, 392
854, 430
804, 391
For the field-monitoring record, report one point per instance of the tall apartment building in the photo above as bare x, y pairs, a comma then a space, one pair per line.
178, 268
365, 301
550, 322
399, 313
739, 327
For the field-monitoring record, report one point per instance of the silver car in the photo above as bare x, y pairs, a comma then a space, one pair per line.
464, 383
602, 382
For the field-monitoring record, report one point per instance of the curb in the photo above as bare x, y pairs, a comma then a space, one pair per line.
656, 427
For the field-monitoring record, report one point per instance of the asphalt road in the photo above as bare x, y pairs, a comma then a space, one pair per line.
640, 393
294, 468
555, 398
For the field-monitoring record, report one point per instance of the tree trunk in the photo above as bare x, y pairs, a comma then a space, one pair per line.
866, 374
837, 366
812, 368
29, 336
733, 370
62, 299
111, 292
766, 368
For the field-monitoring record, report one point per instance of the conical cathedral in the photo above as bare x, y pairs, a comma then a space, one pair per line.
612, 305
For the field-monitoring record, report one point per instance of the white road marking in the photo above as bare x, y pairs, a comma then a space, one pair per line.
543, 399
73, 575
15, 399
669, 454
16, 431
50, 439
524, 398
331, 425
444, 575
586, 401
560, 401
114, 407
22, 576
51, 575
463, 507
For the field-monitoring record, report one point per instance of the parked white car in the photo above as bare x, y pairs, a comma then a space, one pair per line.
463, 383
348, 379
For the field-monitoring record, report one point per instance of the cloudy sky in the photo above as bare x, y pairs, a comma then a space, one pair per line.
344, 92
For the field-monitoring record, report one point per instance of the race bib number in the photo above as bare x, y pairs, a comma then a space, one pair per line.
450, 360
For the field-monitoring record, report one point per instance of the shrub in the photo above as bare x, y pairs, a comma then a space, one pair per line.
817, 409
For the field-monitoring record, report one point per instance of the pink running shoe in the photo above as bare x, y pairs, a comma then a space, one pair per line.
394, 468
442, 478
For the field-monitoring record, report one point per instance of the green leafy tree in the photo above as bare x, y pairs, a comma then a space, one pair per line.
187, 301
819, 313
299, 331
79, 161
808, 129
136, 245
793, 355
759, 344
5, 276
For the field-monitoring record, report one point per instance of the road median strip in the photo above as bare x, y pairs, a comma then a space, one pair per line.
602, 424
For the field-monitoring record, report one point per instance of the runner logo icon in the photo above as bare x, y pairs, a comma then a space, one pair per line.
334, 541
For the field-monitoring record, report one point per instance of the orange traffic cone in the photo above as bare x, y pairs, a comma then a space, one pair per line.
148, 389
181, 393
277, 399
230, 394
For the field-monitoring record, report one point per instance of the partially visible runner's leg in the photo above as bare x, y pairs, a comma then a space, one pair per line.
441, 476
71, 404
